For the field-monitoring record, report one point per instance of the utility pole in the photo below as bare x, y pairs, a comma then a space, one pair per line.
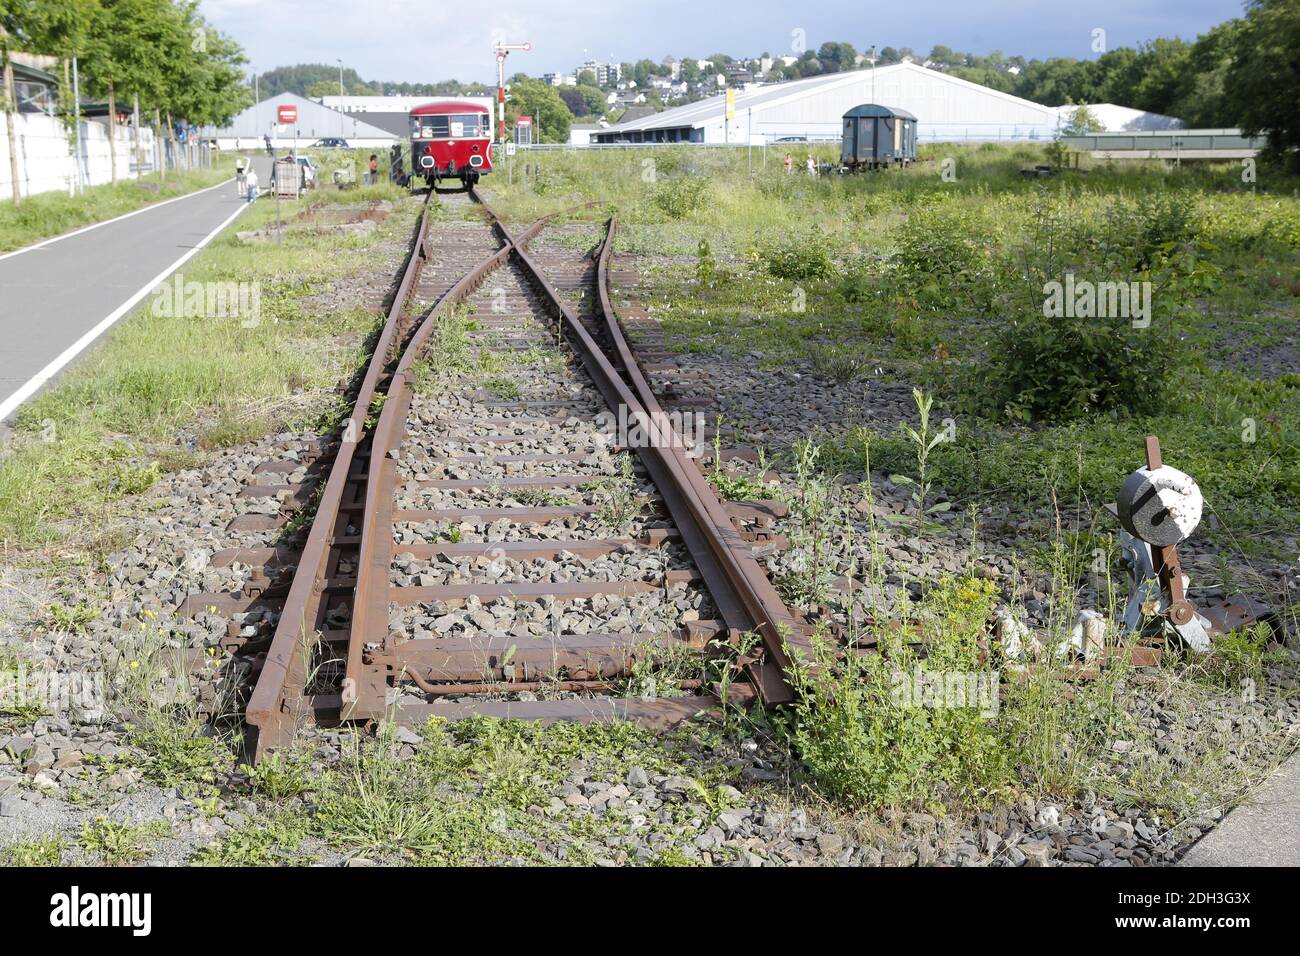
503, 51
340, 63
872, 58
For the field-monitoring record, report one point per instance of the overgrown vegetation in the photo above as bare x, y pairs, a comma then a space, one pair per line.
464, 798
943, 282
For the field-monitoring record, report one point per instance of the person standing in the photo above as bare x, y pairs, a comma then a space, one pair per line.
251, 178
374, 169
811, 165
788, 163
241, 177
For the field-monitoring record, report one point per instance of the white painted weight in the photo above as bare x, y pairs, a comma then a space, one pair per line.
1162, 507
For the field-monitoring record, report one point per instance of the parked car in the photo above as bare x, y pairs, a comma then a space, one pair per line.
331, 142
793, 139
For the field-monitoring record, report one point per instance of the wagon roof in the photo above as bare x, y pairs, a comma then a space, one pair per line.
874, 109
448, 106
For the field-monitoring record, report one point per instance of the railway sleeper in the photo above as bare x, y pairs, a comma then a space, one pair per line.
511, 660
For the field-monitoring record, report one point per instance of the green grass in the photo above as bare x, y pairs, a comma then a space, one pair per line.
43, 851
470, 795
50, 214
120, 844
1252, 488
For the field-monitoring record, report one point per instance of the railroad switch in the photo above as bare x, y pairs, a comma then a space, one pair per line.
1158, 508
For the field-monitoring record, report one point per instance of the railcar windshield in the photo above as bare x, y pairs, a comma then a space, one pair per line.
449, 126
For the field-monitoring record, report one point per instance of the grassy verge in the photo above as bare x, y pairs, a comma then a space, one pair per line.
53, 213
162, 388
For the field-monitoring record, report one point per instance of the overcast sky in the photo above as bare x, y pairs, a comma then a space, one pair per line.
407, 40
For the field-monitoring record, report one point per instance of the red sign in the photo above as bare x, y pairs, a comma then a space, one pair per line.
523, 121
288, 114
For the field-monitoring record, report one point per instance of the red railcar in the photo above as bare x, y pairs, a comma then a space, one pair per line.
451, 140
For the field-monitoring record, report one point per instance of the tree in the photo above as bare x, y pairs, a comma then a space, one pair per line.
1081, 122
947, 56
986, 76
1056, 81
39, 26
593, 96
1200, 100
1260, 85
300, 77
542, 102
322, 88
573, 99
643, 70
837, 57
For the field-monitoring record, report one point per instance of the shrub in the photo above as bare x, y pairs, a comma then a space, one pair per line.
944, 258
1042, 367
867, 745
796, 258
1065, 367
681, 196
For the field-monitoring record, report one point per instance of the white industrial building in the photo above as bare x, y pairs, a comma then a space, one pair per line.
314, 122
1123, 119
947, 109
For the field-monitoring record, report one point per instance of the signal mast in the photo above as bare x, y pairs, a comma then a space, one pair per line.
503, 51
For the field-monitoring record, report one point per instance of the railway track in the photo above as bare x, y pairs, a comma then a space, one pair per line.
504, 550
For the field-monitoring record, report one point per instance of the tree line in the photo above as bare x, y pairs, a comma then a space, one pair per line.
315, 80
159, 57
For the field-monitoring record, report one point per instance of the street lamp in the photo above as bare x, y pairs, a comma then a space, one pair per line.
872, 59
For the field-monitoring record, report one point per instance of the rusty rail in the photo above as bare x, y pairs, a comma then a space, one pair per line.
736, 581
744, 594
275, 707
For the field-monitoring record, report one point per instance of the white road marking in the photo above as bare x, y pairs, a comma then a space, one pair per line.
126, 215
29, 388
